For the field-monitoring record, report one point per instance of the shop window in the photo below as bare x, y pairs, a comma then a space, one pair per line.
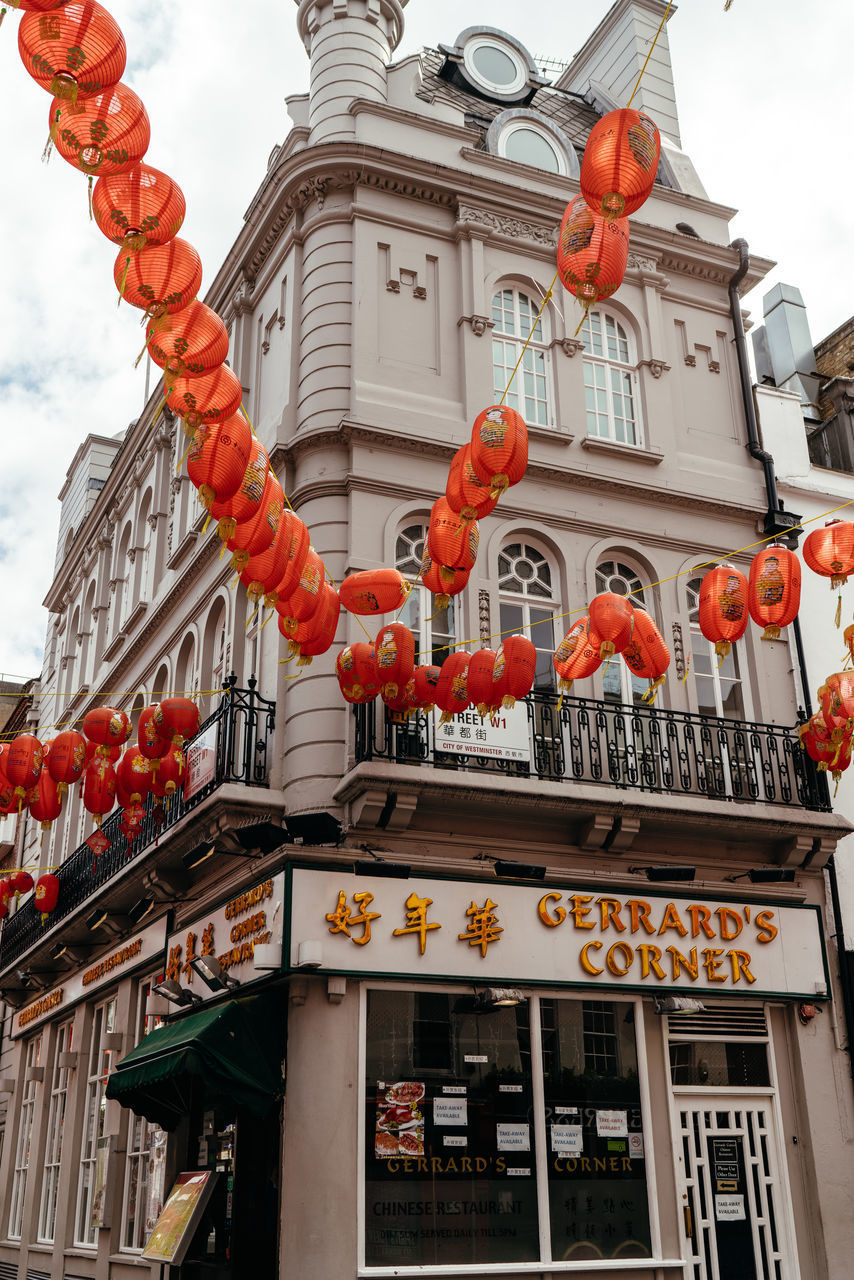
619, 685
32, 1059
452, 1159
513, 316
145, 1163
60, 1080
528, 604
718, 685
94, 1119
433, 629
719, 1064
610, 377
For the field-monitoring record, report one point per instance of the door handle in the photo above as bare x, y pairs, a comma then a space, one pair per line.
689, 1221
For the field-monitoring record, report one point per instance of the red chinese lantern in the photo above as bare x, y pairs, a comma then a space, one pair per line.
612, 620
107, 134
356, 669
774, 589
256, 534
218, 457
451, 695
22, 764
140, 207
514, 672
264, 572
394, 650
424, 680
836, 696
723, 607
591, 253
99, 788
107, 727
481, 680
189, 344
830, 755
133, 777
176, 719
465, 492
304, 600
829, 552
646, 654
295, 536
451, 543
35, 6
244, 504
620, 163
45, 801
170, 774
67, 758
152, 745
21, 882
159, 279
46, 895
315, 636
442, 581
374, 591
499, 448
403, 703
74, 52
209, 397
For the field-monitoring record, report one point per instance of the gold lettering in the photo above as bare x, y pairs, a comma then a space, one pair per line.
466, 1164
600, 1164
681, 962
500, 1164
649, 958
627, 1165
392, 1166
552, 921
451, 1166
585, 1164
639, 915
436, 1164
586, 963
609, 909
480, 1164
740, 961
614, 1164
611, 958
728, 918
700, 917
712, 964
671, 920
580, 911
766, 931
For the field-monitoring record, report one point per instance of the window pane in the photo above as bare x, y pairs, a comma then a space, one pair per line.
719, 1065
529, 147
440, 1122
597, 1179
494, 64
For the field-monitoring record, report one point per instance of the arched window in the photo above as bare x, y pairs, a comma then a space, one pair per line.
513, 314
528, 603
186, 682
618, 683
720, 688
610, 379
530, 138
434, 630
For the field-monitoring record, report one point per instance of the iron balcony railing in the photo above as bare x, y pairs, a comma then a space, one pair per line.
240, 732
628, 747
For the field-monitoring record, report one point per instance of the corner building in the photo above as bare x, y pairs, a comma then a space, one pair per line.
451, 1040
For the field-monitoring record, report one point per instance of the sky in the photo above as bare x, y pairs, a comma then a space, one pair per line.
763, 98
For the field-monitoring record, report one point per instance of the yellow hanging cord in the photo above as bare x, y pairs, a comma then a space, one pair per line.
529, 337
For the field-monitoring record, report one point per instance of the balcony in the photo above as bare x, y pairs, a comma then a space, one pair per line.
240, 733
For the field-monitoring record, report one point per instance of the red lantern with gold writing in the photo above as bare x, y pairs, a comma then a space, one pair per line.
218, 457
133, 777
256, 534
107, 727
45, 800
451, 543
425, 679
394, 651
403, 703
356, 669
46, 895
499, 448
159, 279
170, 774
612, 620
832, 755
442, 581
140, 207
481, 680
374, 591
514, 672
74, 52
592, 253
830, 553
149, 741
295, 537
774, 589
452, 695
304, 600
244, 504
22, 764
200, 399
189, 344
106, 134
723, 613
647, 654
176, 719
21, 883
264, 571
465, 491
99, 788
67, 758
315, 636
577, 655
620, 163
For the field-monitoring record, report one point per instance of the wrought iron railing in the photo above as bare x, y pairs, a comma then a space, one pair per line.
239, 732
631, 748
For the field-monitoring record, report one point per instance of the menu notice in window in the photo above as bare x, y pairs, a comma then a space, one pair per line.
182, 1212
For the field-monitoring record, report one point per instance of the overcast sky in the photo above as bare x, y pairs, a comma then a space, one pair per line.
763, 97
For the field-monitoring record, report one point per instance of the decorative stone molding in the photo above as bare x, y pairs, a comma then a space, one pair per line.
502, 224
656, 367
570, 346
678, 651
641, 262
479, 324
483, 614
241, 302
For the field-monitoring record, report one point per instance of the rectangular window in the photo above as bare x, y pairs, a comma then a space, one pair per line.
452, 1153
25, 1137
146, 1148
60, 1080
94, 1117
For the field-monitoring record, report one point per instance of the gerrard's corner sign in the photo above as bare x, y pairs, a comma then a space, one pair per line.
489, 931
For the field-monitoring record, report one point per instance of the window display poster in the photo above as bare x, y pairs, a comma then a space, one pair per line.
567, 1139
611, 1124
176, 1226
450, 1111
99, 1193
400, 1119
155, 1190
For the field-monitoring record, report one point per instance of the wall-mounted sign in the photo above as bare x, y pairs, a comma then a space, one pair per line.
201, 761
505, 736
230, 932
488, 931
122, 958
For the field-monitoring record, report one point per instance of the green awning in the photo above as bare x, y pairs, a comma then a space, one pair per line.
235, 1049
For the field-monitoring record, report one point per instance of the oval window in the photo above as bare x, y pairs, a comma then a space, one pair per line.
527, 146
494, 65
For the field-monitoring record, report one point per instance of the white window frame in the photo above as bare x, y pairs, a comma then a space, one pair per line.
531, 126
632, 687
483, 82
57, 1110
23, 1145
537, 409
420, 598
526, 601
94, 1119
600, 373
713, 679
139, 1136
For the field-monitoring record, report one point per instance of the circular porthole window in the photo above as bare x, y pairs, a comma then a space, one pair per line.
529, 138
494, 66
531, 146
